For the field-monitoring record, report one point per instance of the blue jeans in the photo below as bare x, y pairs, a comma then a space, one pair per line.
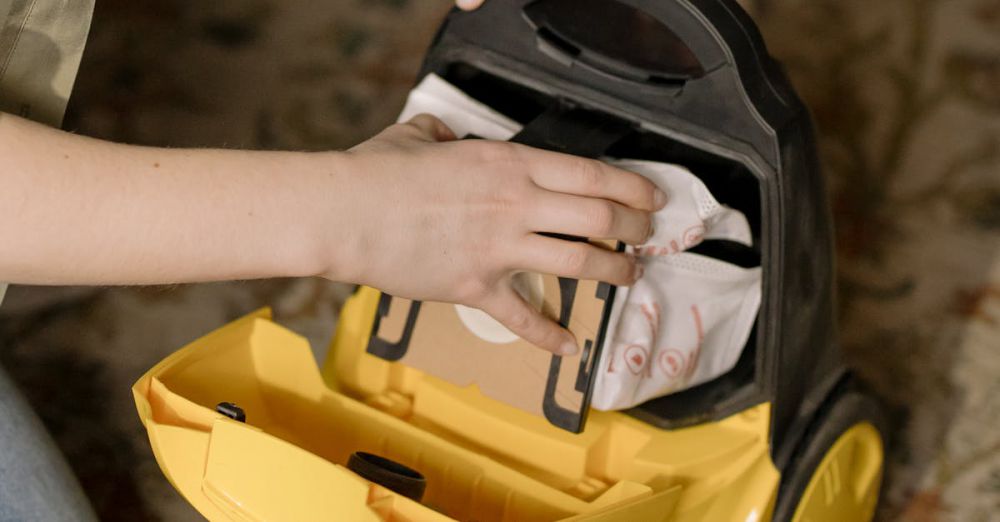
35, 481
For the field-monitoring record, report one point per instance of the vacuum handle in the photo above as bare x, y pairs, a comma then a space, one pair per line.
699, 66
625, 41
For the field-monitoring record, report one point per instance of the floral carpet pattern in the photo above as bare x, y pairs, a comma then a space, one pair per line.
906, 97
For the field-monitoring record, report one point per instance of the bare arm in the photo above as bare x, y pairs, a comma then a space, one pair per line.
409, 211
75, 210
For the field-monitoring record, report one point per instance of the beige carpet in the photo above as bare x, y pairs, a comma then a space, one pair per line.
906, 94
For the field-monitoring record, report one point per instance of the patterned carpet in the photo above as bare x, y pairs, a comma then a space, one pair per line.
906, 94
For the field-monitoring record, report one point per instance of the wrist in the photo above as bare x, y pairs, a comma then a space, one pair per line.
331, 243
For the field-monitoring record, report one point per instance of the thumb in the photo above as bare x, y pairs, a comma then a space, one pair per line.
518, 316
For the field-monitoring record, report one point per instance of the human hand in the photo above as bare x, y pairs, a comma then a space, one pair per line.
453, 221
468, 5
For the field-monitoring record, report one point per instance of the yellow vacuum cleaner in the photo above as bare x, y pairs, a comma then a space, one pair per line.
247, 427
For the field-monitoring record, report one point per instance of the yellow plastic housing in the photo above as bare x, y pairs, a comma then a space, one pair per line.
845, 484
483, 460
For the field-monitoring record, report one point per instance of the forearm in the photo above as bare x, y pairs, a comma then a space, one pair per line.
75, 210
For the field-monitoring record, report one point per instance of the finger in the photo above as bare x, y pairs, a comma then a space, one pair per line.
590, 217
431, 128
577, 260
468, 5
586, 177
521, 318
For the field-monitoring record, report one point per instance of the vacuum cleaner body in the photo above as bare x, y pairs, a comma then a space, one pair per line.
785, 434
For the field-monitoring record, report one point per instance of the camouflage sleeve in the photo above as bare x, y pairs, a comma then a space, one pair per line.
41, 43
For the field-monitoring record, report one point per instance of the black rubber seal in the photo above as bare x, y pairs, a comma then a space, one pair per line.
389, 473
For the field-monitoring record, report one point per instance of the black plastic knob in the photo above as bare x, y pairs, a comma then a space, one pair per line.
232, 411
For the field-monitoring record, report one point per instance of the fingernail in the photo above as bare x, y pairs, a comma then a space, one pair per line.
638, 272
659, 199
568, 348
651, 231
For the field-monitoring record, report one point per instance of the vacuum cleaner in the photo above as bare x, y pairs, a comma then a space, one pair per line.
247, 427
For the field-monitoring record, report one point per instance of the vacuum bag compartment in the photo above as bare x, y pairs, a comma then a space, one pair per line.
467, 347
